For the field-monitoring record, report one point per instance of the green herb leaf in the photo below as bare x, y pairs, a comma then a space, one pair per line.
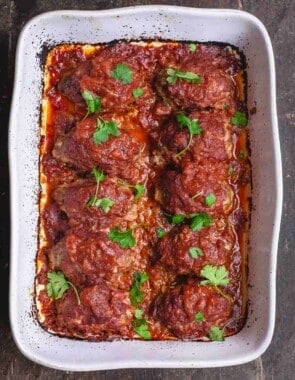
195, 252
239, 119
160, 232
104, 129
192, 125
138, 313
200, 220
137, 92
139, 190
216, 334
58, 285
141, 328
199, 317
93, 102
216, 276
177, 219
192, 47
241, 154
210, 199
123, 238
174, 75
136, 295
104, 203
122, 73
98, 174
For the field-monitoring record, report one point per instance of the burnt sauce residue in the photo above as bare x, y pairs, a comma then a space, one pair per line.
146, 179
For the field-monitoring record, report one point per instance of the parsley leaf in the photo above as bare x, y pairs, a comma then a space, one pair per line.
192, 47
241, 154
138, 313
195, 252
160, 232
239, 119
177, 219
122, 73
58, 285
192, 125
93, 102
139, 188
216, 334
104, 129
104, 203
136, 295
99, 177
137, 92
141, 328
210, 199
199, 317
216, 276
200, 220
123, 238
174, 75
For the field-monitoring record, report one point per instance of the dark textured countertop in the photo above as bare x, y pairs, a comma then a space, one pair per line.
278, 361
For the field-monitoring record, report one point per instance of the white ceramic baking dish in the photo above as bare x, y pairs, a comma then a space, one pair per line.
165, 22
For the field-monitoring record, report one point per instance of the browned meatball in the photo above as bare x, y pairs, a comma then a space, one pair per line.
103, 313
117, 156
55, 222
180, 304
99, 257
186, 192
213, 142
115, 94
74, 200
187, 252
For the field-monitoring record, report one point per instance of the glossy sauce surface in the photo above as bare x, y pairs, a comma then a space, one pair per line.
74, 238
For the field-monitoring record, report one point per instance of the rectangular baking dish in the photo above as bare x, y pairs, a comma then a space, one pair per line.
166, 22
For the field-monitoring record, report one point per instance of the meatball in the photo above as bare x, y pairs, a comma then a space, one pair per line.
180, 304
119, 155
186, 192
99, 257
213, 142
74, 199
115, 93
104, 313
211, 245
55, 222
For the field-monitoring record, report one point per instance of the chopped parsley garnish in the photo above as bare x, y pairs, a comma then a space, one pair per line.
216, 276
193, 127
122, 73
160, 232
105, 129
141, 328
177, 219
58, 285
216, 334
93, 102
104, 203
137, 92
195, 252
199, 317
241, 154
136, 295
125, 239
239, 119
200, 220
173, 75
210, 199
192, 47
139, 188
99, 177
